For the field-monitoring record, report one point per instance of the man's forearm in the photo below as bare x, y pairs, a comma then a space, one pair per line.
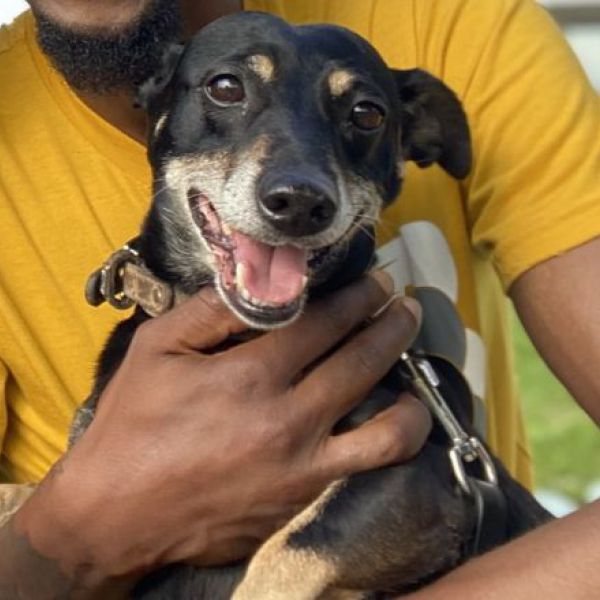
555, 562
25, 573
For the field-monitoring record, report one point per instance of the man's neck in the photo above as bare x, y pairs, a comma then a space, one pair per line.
198, 14
118, 108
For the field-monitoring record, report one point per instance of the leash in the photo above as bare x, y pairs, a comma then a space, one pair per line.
471, 465
124, 281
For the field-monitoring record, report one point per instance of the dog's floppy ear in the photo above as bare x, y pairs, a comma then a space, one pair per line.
434, 125
157, 83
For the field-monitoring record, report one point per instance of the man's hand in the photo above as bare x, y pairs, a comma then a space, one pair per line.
199, 456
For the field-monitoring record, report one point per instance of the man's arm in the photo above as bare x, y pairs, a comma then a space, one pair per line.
558, 561
558, 302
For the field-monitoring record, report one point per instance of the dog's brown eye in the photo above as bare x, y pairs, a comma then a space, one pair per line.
226, 89
367, 116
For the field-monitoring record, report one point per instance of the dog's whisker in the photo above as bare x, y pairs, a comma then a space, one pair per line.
385, 265
387, 226
367, 232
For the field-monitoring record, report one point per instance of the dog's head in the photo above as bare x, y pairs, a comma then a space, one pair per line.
274, 149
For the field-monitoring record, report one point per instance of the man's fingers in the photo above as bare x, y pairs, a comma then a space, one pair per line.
347, 376
394, 435
325, 322
199, 323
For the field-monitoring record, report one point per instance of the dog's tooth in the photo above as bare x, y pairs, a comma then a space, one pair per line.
258, 301
239, 275
239, 282
226, 229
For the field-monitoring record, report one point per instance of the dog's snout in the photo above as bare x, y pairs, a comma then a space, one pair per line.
298, 210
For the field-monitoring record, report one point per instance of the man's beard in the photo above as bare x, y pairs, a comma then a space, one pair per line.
111, 61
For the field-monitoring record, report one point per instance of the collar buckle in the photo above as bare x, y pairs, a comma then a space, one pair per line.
123, 280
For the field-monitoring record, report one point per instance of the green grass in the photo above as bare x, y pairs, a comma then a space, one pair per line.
565, 442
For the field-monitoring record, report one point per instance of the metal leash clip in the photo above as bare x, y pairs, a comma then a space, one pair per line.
465, 449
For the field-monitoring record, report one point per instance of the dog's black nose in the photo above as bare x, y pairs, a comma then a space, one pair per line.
298, 210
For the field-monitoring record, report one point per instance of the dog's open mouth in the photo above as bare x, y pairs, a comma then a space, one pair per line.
263, 283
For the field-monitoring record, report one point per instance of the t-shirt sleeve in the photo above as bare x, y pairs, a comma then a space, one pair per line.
534, 191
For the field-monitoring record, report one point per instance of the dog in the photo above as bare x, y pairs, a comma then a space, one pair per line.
274, 148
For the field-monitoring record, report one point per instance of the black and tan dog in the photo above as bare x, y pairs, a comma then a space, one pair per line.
274, 148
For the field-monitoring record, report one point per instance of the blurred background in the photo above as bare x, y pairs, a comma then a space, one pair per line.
565, 442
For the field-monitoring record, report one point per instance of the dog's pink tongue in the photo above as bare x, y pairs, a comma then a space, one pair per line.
271, 274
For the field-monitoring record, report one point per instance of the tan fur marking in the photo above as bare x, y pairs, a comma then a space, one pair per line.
343, 595
276, 569
263, 66
12, 497
340, 82
229, 182
361, 197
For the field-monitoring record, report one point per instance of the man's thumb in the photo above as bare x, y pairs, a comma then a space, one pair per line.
199, 323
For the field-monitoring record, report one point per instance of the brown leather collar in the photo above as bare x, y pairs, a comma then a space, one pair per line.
123, 280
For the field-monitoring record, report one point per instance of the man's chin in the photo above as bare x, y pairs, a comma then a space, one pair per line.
82, 15
104, 58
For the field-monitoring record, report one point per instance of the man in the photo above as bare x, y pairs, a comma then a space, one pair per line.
158, 480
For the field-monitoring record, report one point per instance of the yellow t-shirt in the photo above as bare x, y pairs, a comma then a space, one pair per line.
73, 188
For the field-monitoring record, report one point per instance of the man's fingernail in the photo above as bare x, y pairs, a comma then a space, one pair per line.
413, 307
384, 280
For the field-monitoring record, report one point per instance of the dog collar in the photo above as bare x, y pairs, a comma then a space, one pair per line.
124, 280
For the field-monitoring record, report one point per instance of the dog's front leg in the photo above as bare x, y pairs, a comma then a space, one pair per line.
387, 529
278, 571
